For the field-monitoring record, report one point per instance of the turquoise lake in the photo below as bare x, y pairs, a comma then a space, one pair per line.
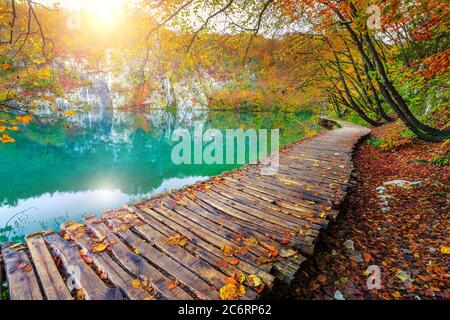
103, 158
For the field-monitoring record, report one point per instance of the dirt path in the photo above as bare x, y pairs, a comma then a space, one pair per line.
401, 227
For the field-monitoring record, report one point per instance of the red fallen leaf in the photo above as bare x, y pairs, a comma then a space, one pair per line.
322, 278
88, 260
171, 285
234, 261
28, 269
367, 257
22, 265
429, 292
223, 263
273, 252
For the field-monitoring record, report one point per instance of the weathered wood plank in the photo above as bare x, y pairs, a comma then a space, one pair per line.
103, 261
52, 283
217, 254
80, 275
20, 274
177, 271
136, 264
199, 266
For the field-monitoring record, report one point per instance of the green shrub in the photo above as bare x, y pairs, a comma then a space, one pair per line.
375, 142
442, 161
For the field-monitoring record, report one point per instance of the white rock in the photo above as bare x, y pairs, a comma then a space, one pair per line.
349, 245
338, 295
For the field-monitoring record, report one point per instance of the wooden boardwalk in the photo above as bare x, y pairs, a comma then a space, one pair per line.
232, 235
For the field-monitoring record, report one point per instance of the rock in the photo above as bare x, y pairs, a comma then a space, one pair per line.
432, 250
357, 257
338, 295
403, 276
349, 245
381, 190
398, 183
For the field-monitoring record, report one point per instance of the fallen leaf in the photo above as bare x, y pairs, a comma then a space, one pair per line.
73, 226
287, 253
88, 260
16, 245
254, 281
177, 239
22, 265
273, 252
99, 248
367, 257
322, 278
171, 285
228, 251
445, 250
135, 283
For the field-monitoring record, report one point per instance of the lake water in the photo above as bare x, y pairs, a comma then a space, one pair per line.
104, 158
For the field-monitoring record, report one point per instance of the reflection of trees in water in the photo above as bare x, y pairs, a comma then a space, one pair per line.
123, 150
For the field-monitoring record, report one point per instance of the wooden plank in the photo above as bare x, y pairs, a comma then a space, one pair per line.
271, 209
103, 261
20, 274
213, 228
177, 271
199, 266
209, 251
263, 240
52, 283
266, 195
306, 221
79, 272
281, 195
309, 216
135, 264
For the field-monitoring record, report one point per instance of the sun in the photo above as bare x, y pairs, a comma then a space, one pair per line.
104, 14
105, 17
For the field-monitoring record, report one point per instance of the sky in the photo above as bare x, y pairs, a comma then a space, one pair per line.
85, 4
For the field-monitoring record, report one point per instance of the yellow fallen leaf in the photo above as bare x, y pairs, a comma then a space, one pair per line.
99, 248
228, 251
289, 182
254, 281
177, 239
18, 244
240, 277
445, 250
135, 283
74, 226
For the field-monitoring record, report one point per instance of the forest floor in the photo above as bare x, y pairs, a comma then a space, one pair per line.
396, 219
